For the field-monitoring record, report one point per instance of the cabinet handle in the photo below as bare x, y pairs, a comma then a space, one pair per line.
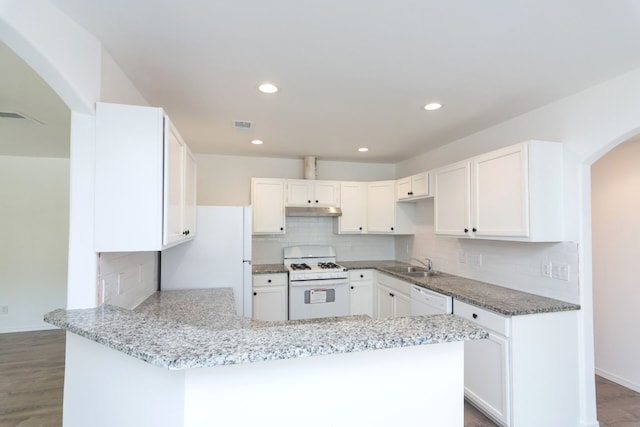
360, 228
362, 276
255, 293
281, 228
474, 229
352, 287
410, 193
308, 201
268, 280
466, 230
317, 201
391, 295
185, 233
391, 228
475, 316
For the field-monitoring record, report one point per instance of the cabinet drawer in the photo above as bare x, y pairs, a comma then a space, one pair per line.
355, 275
485, 318
279, 279
393, 283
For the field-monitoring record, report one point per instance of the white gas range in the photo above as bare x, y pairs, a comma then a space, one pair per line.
318, 287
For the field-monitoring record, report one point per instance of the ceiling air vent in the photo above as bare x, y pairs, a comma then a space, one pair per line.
242, 125
11, 115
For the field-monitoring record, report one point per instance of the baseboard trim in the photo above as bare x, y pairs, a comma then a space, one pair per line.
618, 380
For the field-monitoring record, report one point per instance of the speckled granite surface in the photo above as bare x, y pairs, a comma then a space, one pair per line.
497, 298
268, 268
199, 328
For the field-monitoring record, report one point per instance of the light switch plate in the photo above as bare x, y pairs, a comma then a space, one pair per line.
560, 271
545, 269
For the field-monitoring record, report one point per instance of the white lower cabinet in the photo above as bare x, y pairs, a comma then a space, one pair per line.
393, 297
270, 296
486, 363
361, 286
524, 374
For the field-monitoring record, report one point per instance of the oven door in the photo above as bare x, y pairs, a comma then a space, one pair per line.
309, 299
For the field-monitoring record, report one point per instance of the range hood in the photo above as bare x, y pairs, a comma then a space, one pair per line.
312, 211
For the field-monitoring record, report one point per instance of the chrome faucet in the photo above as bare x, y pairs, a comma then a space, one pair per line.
428, 264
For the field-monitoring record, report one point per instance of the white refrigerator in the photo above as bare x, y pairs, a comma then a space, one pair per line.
219, 256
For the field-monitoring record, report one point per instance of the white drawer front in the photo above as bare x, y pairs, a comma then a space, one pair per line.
355, 275
485, 318
278, 279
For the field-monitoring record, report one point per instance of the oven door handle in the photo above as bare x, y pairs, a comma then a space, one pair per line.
326, 283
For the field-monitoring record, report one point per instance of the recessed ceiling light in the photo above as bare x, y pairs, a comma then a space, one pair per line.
268, 88
363, 149
257, 142
432, 106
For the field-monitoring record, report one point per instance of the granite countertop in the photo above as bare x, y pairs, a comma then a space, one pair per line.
199, 328
496, 298
492, 297
268, 268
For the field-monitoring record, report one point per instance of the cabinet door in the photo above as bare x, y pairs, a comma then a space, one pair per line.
384, 302
452, 199
190, 194
270, 303
173, 185
402, 305
403, 188
353, 202
362, 297
500, 193
420, 185
486, 375
267, 200
326, 193
299, 192
381, 207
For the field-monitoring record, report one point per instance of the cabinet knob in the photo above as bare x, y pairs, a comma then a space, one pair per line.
391, 295
281, 228
466, 230
391, 228
317, 201
474, 229
410, 193
255, 293
360, 228
475, 316
308, 201
362, 276
268, 280
352, 287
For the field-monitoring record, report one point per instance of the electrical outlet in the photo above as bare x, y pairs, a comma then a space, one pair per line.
545, 269
462, 257
560, 271
4, 309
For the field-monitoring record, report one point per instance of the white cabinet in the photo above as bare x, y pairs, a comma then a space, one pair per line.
302, 192
270, 297
145, 181
353, 203
524, 374
361, 284
384, 215
486, 367
393, 297
413, 187
514, 193
267, 202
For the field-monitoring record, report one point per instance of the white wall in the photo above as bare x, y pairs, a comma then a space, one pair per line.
127, 279
226, 180
34, 213
615, 199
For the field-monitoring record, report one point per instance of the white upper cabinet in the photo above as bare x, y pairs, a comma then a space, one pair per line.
514, 193
384, 215
267, 201
145, 181
304, 192
353, 203
413, 187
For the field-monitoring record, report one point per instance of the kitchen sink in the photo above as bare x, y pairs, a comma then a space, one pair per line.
414, 271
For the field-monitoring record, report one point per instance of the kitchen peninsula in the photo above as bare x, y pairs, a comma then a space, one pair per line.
183, 358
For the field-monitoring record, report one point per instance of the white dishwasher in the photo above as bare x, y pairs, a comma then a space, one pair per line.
425, 302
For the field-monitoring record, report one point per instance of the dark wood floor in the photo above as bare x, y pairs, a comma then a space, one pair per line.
32, 377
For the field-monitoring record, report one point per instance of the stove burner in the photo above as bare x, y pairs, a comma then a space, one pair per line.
328, 265
297, 267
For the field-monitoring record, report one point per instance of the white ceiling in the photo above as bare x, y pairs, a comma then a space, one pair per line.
357, 72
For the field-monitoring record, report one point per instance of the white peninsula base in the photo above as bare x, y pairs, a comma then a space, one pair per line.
407, 386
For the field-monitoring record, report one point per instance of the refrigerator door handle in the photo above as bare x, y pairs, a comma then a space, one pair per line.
248, 261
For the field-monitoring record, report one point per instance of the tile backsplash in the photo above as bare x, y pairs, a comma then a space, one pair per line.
320, 231
125, 279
